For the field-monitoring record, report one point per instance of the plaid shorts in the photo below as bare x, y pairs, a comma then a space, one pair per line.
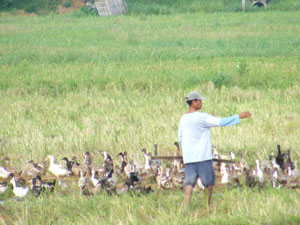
203, 170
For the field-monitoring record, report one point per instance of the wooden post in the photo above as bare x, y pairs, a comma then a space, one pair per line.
243, 5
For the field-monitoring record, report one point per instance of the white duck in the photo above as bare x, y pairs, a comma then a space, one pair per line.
147, 160
3, 187
259, 173
232, 155
295, 172
4, 173
274, 178
199, 183
215, 153
273, 163
56, 169
166, 181
225, 175
19, 192
93, 179
81, 180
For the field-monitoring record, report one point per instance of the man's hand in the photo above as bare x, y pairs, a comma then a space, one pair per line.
244, 115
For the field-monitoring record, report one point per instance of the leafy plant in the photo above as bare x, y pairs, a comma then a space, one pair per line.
88, 11
67, 4
242, 68
222, 79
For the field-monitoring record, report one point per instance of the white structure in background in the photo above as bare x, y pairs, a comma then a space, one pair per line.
110, 7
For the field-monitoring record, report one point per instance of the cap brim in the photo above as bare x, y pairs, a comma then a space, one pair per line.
203, 98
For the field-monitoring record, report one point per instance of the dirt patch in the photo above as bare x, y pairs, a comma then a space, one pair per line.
76, 4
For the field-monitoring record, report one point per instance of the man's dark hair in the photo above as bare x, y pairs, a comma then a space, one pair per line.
189, 102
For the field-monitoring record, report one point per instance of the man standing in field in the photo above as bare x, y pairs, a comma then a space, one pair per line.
195, 142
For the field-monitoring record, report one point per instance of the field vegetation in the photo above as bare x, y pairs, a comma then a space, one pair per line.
70, 84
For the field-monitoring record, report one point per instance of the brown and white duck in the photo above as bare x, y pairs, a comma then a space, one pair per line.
147, 165
32, 169
287, 161
57, 169
166, 179
9, 168
87, 162
250, 179
177, 178
123, 162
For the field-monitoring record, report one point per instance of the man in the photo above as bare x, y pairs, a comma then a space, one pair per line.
194, 139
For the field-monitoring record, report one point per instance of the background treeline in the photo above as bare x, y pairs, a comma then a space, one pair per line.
30, 5
155, 6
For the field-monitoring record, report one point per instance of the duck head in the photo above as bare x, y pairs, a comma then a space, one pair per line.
272, 156
105, 155
144, 151
121, 155
50, 158
232, 155
86, 155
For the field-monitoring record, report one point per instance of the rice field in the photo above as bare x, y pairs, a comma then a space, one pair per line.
72, 84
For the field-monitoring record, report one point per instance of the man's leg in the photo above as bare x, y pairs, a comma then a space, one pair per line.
190, 181
207, 177
188, 194
209, 190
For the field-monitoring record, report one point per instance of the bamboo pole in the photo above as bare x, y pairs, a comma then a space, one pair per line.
243, 5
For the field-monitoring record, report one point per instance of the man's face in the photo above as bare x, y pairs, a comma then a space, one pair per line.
197, 104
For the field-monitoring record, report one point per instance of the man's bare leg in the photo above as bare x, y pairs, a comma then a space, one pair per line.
209, 190
188, 194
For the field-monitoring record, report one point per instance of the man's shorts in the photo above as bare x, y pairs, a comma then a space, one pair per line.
203, 170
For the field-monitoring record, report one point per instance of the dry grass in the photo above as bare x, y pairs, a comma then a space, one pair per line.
69, 85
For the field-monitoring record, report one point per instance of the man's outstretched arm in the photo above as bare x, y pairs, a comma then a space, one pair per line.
212, 121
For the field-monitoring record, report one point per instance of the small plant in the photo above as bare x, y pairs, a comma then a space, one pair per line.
222, 79
67, 4
88, 11
242, 68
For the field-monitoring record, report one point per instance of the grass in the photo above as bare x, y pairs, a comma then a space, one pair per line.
166, 7
70, 84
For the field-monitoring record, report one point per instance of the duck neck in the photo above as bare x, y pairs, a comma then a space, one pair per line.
14, 183
289, 171
93, 174
51, 161
257, 166
168, 172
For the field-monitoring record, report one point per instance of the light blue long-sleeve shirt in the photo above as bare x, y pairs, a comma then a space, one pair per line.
194, 134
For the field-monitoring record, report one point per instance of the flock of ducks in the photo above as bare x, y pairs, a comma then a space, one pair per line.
121, 174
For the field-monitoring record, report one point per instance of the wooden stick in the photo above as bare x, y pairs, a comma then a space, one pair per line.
180, 158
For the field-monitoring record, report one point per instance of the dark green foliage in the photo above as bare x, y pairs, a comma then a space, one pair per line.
222, 79
30, 5
31, 8
8, 4
67, 4
86, 11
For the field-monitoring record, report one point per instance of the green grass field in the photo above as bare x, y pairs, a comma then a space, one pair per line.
71, 84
